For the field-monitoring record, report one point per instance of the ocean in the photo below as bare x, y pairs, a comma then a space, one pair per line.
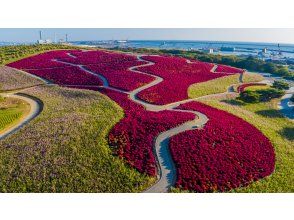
240, 48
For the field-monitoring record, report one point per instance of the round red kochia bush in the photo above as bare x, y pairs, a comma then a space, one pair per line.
242, 87
226, 153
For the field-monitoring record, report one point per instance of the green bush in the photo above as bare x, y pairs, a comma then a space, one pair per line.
262, 95
268, 94
280, 85
250, 96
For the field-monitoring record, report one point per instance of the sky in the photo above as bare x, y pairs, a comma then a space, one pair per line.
273, 35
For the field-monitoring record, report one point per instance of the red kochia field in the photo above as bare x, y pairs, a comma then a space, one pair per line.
134, 135
177, 76
226, 153
228, 69
42, 61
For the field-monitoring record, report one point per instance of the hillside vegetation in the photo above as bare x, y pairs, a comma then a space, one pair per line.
12, 53
11, 79
65, 148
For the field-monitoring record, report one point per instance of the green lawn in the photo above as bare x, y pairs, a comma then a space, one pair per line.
65, 148
279, 130
219, 85
255, 88
11, 111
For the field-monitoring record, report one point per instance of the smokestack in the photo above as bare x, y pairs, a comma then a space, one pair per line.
66, 38
40, 33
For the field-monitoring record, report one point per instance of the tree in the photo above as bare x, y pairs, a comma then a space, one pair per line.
280, 85
268, 94
249, 96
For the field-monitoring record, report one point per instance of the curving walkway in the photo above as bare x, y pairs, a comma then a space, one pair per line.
285, 105
36, 108
166, 168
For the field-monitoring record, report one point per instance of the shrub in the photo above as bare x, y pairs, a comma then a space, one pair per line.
280, 85
268, 94
250, 96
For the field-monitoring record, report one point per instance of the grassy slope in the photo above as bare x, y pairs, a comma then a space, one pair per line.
279, 130
11, 112
219, 85
65, 148
11, 79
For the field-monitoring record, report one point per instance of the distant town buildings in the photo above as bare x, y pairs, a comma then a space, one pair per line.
49, 41
208, 50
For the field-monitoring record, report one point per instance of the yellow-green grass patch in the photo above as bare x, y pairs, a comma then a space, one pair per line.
255, 88
220, 85
12, 112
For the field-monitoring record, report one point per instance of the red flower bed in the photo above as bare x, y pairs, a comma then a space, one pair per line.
119, 77
99, 56
113, 66
134, 135
242, 87
228, 69
227, 153
178, 75
41, 61
67, 76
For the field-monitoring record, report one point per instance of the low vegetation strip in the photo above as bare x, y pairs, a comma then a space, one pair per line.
242, 87
11, 79
71, 156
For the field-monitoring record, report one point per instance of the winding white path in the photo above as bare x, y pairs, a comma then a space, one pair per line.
285, 105
166, 168
35, 109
